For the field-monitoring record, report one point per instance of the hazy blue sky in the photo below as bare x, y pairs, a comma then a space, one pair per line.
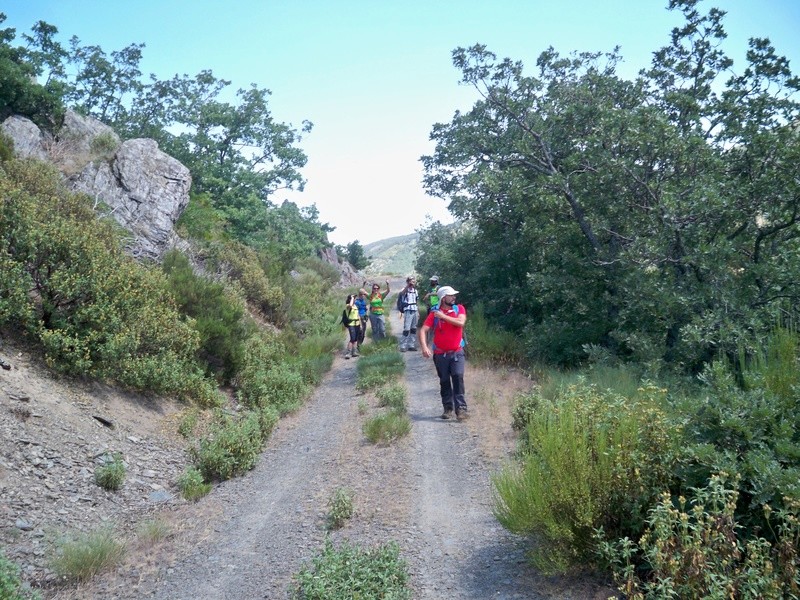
374, 76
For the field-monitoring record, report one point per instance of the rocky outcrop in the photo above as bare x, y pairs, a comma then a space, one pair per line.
348, 276
144, 189
29, 142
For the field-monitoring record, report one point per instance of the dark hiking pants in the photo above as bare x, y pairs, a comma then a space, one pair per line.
450, 368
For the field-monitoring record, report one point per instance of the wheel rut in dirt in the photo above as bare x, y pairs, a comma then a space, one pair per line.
429, 491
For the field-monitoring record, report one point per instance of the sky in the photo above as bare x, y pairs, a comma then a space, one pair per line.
374, 76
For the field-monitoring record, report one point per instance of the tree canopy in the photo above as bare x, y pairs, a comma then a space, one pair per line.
656, 217
239, 155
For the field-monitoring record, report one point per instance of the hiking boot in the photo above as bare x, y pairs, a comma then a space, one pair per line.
402, 348
355, 353
447, 414
413, 348
347, 354
462, 415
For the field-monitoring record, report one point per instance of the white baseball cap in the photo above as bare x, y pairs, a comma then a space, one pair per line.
446, 290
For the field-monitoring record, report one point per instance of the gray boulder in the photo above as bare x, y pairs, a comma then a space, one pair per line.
145, 190
27, 137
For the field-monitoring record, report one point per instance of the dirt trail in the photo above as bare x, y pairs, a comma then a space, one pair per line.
429, 492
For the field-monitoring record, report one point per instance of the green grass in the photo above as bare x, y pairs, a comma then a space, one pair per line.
488, 343
152, 531
378, 367
80, 557
349, 572
622, 380
392, 396
386, 427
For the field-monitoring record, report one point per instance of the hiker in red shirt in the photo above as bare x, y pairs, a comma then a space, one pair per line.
447, 324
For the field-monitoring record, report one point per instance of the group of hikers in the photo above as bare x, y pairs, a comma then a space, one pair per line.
441, 335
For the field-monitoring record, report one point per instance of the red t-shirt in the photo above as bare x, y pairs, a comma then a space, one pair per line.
446, 336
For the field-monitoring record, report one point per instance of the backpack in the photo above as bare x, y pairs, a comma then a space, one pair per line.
463, 333
402, 301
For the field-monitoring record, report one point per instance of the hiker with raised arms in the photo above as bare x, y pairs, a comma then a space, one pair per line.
376, 310
447, 324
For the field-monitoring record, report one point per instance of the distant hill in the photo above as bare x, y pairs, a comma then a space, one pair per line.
392, 256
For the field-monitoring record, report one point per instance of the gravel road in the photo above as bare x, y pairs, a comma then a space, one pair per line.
429, 492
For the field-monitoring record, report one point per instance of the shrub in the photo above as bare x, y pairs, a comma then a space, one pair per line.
524, 410
243, 265
268, 417
192, 485
311, 307
152, 531
231, 448
6, 148
350, 572
95, 311
746, 425
104, 146
393, 396
111, 474
266, 378
216, 312
698, 551
490, 343
83, 555
188, 423
590, 459
340, 508
11, 585
387, 427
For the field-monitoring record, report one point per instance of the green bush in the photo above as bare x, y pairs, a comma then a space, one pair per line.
264, 380
111, 474
104, 146
96, 312
188, 423
81, 556
699, 551
200, 220
386, 427
746, 425
268, 417
192, 485
11, 585
524, 410
216, 312
6, 148
231, 448
590, 459
244, 266
349, 572
340, 508
392, 396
